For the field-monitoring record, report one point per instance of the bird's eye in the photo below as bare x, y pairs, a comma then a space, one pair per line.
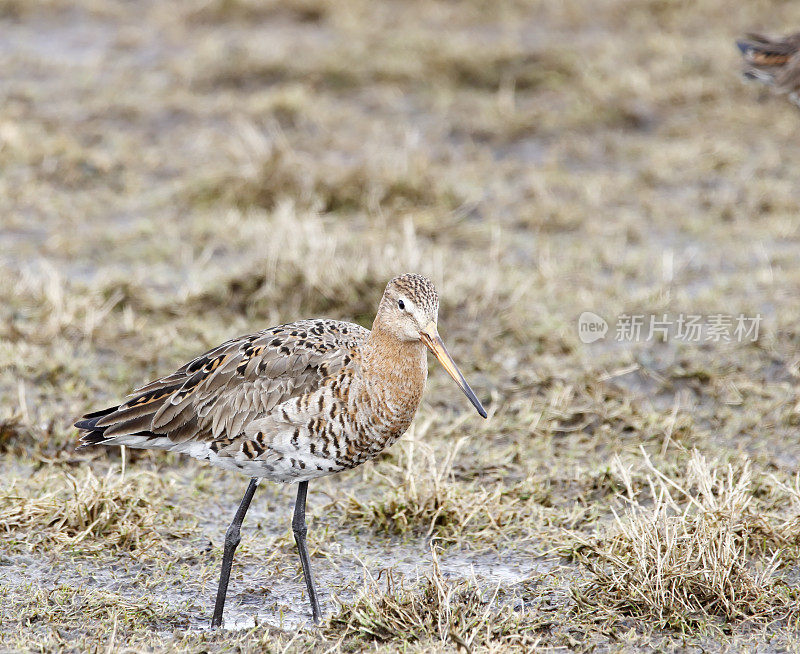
401, 304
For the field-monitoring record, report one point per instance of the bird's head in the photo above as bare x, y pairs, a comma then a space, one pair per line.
409, 311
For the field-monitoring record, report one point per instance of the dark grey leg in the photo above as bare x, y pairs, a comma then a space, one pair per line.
299, 529
232, 539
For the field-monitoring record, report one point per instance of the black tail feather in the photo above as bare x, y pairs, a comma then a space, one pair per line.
94, 435
90, 420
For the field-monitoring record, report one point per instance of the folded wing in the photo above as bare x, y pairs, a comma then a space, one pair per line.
221, 391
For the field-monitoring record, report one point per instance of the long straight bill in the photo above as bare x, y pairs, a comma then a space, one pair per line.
430, 336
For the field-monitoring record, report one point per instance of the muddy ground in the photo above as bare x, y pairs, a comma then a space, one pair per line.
175, 174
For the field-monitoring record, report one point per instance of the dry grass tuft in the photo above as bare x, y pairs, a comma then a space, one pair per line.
424, 497
428, 61
70, 605
55, 305
251, 11
303, 271
20, 436
434, 610
310, 265
15, 434
88, 513
687, 558
333, 186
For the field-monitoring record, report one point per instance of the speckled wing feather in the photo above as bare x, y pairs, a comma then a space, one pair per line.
221, 391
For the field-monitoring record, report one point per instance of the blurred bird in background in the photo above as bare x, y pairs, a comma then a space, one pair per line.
773, 61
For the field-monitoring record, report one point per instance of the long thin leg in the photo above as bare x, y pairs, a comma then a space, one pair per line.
299, 529
232, 539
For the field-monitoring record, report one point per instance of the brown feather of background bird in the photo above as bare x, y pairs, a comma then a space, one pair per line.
773, 61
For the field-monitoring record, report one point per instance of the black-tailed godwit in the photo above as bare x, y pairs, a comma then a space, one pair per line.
291, 403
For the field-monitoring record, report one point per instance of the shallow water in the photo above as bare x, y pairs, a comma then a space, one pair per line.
270, 594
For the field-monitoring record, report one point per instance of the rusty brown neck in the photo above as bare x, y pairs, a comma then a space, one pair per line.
400, 367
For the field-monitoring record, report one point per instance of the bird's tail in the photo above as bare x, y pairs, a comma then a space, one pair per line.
93, 434
127, 424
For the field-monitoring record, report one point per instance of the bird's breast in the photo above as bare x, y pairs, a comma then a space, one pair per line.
357, 413
393, 389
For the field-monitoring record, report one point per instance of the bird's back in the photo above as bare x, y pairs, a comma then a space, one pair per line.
219, 393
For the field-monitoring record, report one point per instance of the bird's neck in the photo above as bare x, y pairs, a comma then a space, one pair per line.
400, 367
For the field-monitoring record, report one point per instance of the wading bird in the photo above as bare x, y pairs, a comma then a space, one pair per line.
291, 403
773, 61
